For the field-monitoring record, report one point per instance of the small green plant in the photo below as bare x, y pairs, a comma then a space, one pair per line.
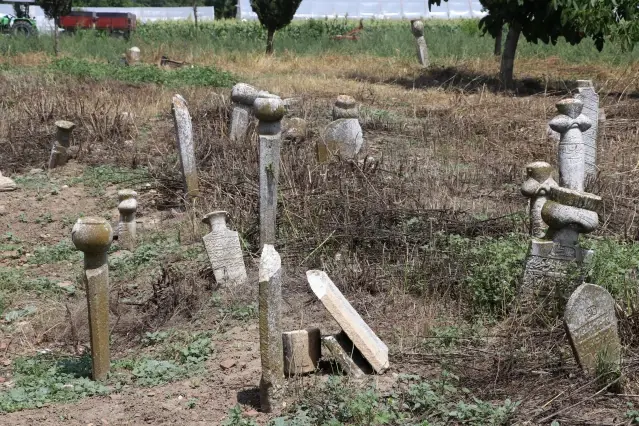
154, 338
607, 370
240, 311
191, 403
12, 316
632, 414
44, 219
236, 418
62, 251
22, 218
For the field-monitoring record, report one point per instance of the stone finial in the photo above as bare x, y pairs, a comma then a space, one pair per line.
59, 151
185, 145
269, 111
270, 313
127, 206
215, 220
536, 187
344, 135
7, 184
93, 236
224, 250
345, 107
417, 28
133, 56
243, 93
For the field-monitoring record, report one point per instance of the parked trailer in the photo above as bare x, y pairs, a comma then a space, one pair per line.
111, 22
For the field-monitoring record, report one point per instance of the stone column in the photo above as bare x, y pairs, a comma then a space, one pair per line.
224, 251
590, 99
539, 177
270, 312
344, 134
126, 226
269, 112
59, 151
186, 149
93, 236
417, 28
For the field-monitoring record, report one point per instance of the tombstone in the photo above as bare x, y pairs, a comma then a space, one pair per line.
417, 28
591, 326
302, 351
294, 129
349, 358
539, 175
93, 236
127, 206
364, 339
186, 148
243, 96
224, 251
590, 99
59, 150
270, 313
269, 112
344, 135
7, 184
133, 56
555, 263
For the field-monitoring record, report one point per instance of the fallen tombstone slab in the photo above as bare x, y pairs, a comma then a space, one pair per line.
350, 360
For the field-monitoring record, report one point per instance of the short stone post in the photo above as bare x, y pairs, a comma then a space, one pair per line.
224, 251
539, 177
93, 236
344, 134
127, 206
269, 112
302, 351
270, 312
417, 28
243, 96
186, 149
59, 151
133, 56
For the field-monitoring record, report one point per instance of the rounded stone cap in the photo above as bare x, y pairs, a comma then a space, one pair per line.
134, 49
269, 109
417, 27
125, 194
345, 102
64, 125
92, 234
243, 93
570, 107
210, 217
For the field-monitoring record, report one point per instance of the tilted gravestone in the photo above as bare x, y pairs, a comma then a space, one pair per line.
590, 99
591, 325
224, 251
243, 96
417, 28
185, 145
349, 358
344, 135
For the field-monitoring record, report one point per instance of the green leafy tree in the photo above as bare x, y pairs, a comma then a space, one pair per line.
224, 9
54, 9
274, 15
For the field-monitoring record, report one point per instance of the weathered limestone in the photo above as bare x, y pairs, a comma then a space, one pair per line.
344, 135
270, 312
128, 205
93, 236
243, 96
591, 326
302, 351
417, 28
269, 112
59, 150
186, 148
7, 184
224, 251
364, 339
349, 358
590, 99
133, 56
539, 176
294, 129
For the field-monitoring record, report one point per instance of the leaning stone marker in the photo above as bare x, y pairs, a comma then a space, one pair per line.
186, 149
371, 347
270, 312
127, 206
224, 251
6, 184
591, 325
417, 28
243, 96
346, 354
93, 236
344, 135
59, 150
590, 99
302, 351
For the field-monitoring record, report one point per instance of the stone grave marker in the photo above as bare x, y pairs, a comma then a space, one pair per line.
590, 99
347, 355
302, 351
417, 28
127, 232
243, 96
591, 325
186, 148
364, 339
60, 149
344, 134
539, 176
224, 251
7, 184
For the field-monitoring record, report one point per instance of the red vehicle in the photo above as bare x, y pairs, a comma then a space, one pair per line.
111, 22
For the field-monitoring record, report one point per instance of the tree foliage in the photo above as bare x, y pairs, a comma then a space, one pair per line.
54, 9
274, 15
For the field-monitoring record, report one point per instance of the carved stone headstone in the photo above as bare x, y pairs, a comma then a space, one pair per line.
591, 325
224, 251
590, 99
302, 351
128, 205
417, 28
364, 339
7, 184
270, 313
59, 150
186, 148
93, 236
344, 135
539, 175
269, 112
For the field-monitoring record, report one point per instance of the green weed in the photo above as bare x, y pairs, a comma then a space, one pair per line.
99, 177
236, 418
62, 251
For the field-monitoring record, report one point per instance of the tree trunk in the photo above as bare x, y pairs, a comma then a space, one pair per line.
195, 13
498, 41
269, 42
508, 57
55, 40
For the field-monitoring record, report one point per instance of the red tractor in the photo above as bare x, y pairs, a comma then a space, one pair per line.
110, 22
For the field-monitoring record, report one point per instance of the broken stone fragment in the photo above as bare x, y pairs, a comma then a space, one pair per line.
7, 184
294, 129
342, 350
302, 351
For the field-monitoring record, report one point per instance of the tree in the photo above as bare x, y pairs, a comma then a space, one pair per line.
274, 15
54, 9
224, 9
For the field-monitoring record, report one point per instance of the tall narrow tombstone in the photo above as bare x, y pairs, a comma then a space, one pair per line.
269, 112
364, 339
186, 148
590, 99
127, 206
243, 96
417, 28
59, 150
224, 251
7, 184
302, 351
539, 176
591, 326
270, 312
93, 236
344, 134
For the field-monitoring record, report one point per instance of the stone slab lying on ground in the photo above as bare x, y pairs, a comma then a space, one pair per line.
6, 184
302, 351
371, 347
342, 350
